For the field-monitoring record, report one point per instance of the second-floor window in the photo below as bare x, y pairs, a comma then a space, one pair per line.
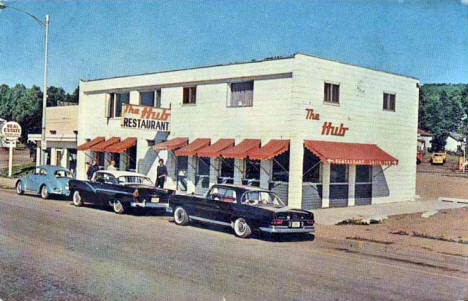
389, 102
115, 103
120, 100
151, 98
190, 95
241, 94
331, 93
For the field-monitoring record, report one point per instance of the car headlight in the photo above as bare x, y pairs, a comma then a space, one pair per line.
67, 187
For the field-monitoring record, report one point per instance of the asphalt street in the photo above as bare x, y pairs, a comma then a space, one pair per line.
50, 250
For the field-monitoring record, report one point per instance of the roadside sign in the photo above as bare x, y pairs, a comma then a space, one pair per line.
11, 131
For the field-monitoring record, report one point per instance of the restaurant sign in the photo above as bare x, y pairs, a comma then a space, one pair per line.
146, 118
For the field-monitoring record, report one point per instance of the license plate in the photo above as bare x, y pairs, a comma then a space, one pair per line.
295, 224
154, 200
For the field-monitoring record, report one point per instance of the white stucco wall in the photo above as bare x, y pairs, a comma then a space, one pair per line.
283, 89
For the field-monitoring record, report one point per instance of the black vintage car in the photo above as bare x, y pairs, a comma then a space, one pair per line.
121, 190
244, 208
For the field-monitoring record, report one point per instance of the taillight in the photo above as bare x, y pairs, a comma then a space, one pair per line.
277, 221
309, 222
136, 194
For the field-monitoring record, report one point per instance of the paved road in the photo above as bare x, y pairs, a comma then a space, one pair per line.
50, 250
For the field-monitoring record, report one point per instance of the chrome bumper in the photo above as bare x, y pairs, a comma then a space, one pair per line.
149, 205
285, 229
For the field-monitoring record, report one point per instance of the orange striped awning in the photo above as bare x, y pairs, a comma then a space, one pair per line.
192, 148
350, 153
121, 146
241, 150
215, 149
89, 144
171, 144
101, 146
270, 150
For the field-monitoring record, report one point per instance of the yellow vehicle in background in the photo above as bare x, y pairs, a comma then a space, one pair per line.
438, 158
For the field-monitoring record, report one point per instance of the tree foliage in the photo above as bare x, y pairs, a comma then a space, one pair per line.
443, 109
24, 105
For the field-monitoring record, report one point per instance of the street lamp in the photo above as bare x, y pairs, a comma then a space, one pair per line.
44, 24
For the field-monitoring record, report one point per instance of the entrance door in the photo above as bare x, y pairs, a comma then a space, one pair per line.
338, 185
363, 187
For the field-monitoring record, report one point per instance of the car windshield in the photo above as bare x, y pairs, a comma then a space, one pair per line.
135, 180
262, 198
63, 174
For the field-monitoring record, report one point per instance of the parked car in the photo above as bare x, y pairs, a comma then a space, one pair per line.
119, 189
244, 208
439, 158
45, 180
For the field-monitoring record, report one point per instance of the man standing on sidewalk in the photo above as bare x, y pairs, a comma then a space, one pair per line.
162, 174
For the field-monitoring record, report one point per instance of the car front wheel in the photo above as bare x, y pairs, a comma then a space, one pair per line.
118, 207
242, 228
181, 217
44, 192
77, 201
19, 188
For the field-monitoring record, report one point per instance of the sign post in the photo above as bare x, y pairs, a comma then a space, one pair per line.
10, 133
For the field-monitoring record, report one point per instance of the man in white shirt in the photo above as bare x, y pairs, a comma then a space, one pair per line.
111, 166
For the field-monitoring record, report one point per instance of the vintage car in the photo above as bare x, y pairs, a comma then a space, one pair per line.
45, 180
439, 158
121, 190
244, 208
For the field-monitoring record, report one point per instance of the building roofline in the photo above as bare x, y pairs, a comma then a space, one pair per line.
275, 58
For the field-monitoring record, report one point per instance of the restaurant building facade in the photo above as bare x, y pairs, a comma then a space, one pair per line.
318, 132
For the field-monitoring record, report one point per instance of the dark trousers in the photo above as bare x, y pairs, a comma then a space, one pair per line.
160, 182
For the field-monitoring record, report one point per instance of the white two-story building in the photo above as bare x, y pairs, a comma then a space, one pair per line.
320, 133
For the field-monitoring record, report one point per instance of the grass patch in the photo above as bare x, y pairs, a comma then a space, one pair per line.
369, 240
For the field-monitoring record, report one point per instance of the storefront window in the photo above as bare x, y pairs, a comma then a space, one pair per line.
311, 168
252, 172
203, 166
363, 174
120, 100
281, 167
338, 173
182, 165
132, 158
227, 171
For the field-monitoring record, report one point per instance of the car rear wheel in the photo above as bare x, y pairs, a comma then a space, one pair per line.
242, 228
77, 201
118, 207
19, 188
181, 217
44, 192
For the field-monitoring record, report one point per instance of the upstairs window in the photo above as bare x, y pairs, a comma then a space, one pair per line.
157, 100
120, 100
331, 93
241, 94
147, 98
190, 95
389, 102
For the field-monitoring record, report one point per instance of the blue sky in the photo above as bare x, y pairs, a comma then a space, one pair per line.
427, 39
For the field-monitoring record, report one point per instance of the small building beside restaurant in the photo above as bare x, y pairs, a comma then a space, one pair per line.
424, 140
61, 137
455, 143
318, 132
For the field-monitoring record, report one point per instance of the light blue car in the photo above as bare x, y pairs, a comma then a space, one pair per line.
46, 180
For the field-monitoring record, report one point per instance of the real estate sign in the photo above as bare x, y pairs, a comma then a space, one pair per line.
146, 118
11, 131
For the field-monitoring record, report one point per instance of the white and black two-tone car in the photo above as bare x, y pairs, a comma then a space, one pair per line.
244, 208
121, 190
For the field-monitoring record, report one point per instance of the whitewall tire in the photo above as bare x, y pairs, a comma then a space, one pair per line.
241, 228
19, 188
44, 192
181, 216
76, 199
118, 207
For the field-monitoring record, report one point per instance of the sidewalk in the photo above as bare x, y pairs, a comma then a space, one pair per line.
331, 216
